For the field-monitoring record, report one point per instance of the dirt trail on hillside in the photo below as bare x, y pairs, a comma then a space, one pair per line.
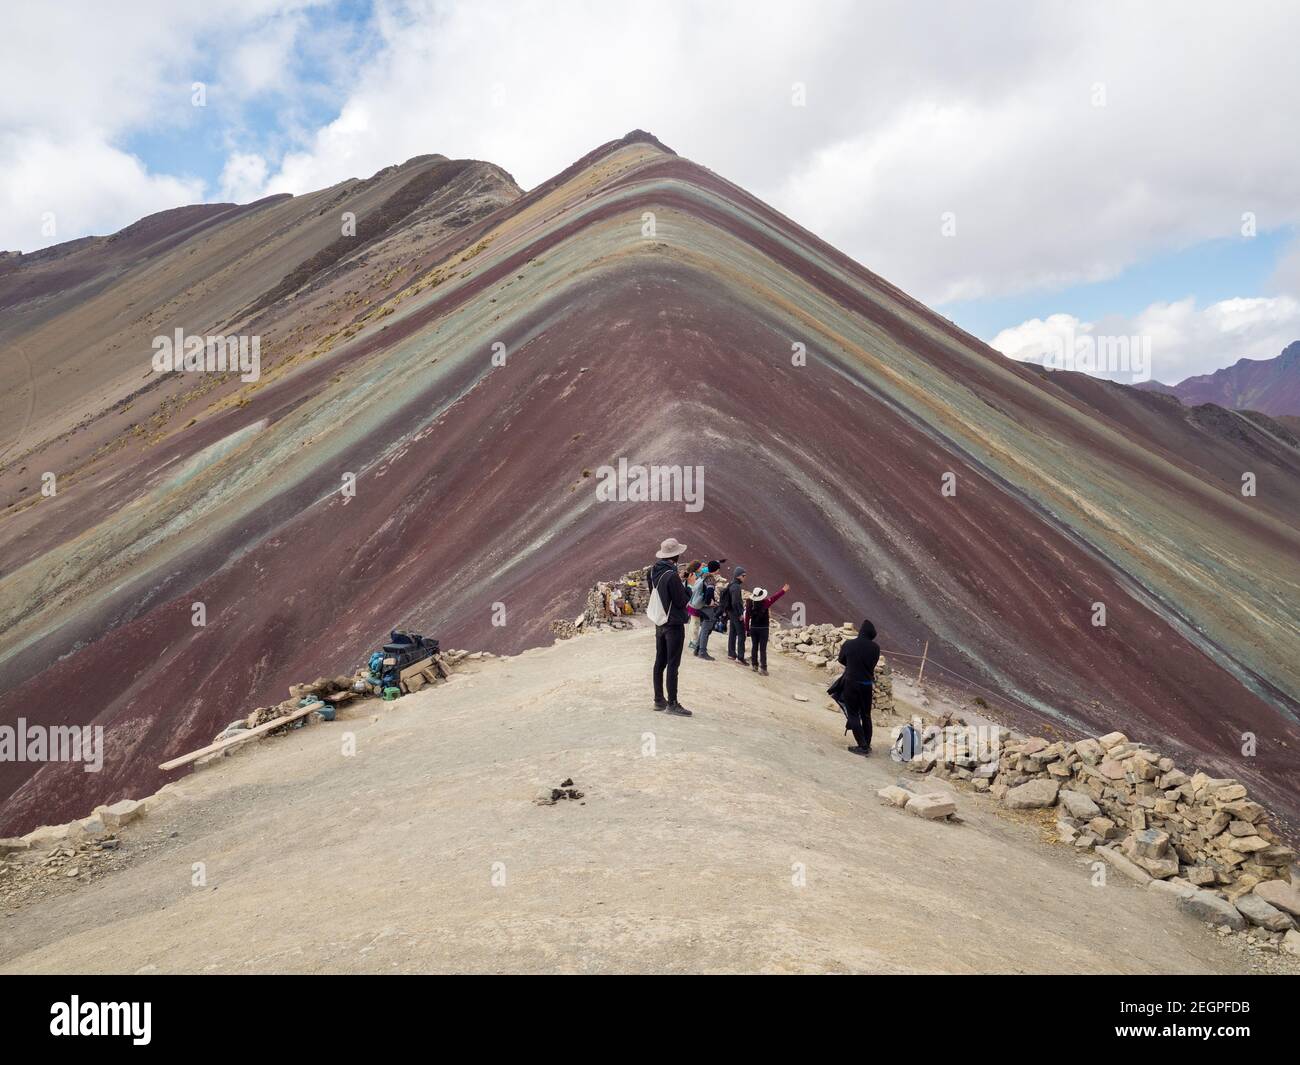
425, 850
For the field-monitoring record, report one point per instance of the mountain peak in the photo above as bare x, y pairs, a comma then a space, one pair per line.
1270, 386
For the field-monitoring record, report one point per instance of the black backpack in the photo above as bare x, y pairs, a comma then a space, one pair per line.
759, 614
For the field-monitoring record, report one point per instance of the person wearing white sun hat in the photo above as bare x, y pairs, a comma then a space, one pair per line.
757, 624
668, 601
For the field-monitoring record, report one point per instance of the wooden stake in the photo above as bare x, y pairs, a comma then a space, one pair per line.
243, 737
921, 672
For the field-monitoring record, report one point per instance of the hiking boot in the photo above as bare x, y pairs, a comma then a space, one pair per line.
754, 666
678, 710
661, 704
706, 656
762, 673
864, 751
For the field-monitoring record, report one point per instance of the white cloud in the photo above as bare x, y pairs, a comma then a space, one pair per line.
985, 111
1182, 340
243, 177
55, 191
78, 78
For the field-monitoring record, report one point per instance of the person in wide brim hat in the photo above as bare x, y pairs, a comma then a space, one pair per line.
666, 585
758, 623
670, 548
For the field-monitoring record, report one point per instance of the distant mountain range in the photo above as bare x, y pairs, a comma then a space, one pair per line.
1270, 386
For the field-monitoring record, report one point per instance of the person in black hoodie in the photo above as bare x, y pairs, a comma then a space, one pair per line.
670, 637
733, 605
859, 657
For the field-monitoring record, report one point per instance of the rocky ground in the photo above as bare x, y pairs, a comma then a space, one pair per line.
534, 814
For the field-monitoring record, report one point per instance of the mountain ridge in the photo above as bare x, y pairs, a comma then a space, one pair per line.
1270, 386
474, 489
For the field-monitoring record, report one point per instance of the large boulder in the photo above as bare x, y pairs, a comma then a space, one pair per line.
1079, 805
1033, 794
1279, 893
120, 813
1151, 843
932, 807
1207, 906
1259, 912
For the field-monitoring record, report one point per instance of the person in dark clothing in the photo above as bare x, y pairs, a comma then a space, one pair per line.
670, 637
758, 625
733, 605
859, 657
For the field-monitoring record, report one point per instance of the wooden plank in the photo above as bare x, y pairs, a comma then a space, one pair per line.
414, 668
243, 737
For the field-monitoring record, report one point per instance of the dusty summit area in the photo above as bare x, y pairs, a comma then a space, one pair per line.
408, 838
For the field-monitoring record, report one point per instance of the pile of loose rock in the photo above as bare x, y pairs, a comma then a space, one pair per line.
98, 833
27, 872
610, 604
75, 852
1198, 838
819, 645
335, 690
298, 695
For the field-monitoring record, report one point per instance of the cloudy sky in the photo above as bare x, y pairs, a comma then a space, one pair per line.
1030, 169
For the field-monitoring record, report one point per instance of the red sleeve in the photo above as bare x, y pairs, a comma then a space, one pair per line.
773, 598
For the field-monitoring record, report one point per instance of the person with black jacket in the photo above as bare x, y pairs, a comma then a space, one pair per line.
670, 637
733, 605
859, 657
758, 623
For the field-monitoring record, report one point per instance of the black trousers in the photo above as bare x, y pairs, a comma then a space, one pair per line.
857, 707
669, 641
735, 637
758, 648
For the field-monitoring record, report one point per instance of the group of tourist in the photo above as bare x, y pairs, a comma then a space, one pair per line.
711, 604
